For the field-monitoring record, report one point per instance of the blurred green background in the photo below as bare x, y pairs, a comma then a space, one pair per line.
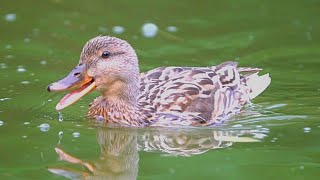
40, 42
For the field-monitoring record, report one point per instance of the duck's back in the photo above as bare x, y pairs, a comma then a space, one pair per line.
198, 95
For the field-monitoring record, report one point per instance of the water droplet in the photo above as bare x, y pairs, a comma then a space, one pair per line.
76, 134
60, 135
276, 106
21, 69
66, 22
60, 116
11, 17
49, 100
307, 129
259, 135
1, 123
251, 37
26, 123
27, 40
24, 137
3, 66
118, 29
102, 29
35, 31
25, 82
44, 127
4, 99
274, 139
258, 126
43, 62
237, 126
172, 29
8, 46
149, 30
9, 56
301, 167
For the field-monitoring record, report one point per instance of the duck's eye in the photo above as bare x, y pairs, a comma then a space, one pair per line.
105, 54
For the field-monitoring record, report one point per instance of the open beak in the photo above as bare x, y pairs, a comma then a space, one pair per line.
79, 80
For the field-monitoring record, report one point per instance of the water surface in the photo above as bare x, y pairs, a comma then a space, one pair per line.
276, 137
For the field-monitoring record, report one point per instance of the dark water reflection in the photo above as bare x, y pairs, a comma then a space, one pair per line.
119, 149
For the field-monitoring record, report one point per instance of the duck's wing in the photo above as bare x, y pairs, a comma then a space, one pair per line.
204, 93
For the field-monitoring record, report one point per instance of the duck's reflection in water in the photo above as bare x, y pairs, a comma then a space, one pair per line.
119, 157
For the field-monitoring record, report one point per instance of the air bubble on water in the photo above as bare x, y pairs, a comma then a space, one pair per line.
21, 69
149, 30
172, 29
44, 127
307, 129
11, 17
118, 29
76, 134
60, 116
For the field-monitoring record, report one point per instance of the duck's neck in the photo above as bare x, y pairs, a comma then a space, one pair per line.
118, 104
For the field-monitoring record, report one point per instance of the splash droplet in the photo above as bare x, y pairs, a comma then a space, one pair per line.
60, 116
149, 30
21, 69
1, 123
102, 29
25, 82
44, 127
11, 17
307, 129
172, 29
43, 62
76, 134
60, 135
237, 126
118, 29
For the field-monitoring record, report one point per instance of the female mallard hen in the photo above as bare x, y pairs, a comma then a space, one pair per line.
165, 96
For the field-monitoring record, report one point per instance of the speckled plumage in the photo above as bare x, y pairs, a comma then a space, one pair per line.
165, 96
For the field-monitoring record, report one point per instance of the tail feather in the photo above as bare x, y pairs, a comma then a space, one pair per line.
257, 84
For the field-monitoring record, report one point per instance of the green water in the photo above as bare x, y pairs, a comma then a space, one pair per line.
277, 137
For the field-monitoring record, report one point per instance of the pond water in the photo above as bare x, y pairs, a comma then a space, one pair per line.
277, 137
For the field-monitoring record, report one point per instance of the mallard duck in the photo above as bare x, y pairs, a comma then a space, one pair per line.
165, 96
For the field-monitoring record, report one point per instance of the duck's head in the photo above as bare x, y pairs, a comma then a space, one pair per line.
107, 64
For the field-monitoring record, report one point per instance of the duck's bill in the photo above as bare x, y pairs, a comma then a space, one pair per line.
77, 80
